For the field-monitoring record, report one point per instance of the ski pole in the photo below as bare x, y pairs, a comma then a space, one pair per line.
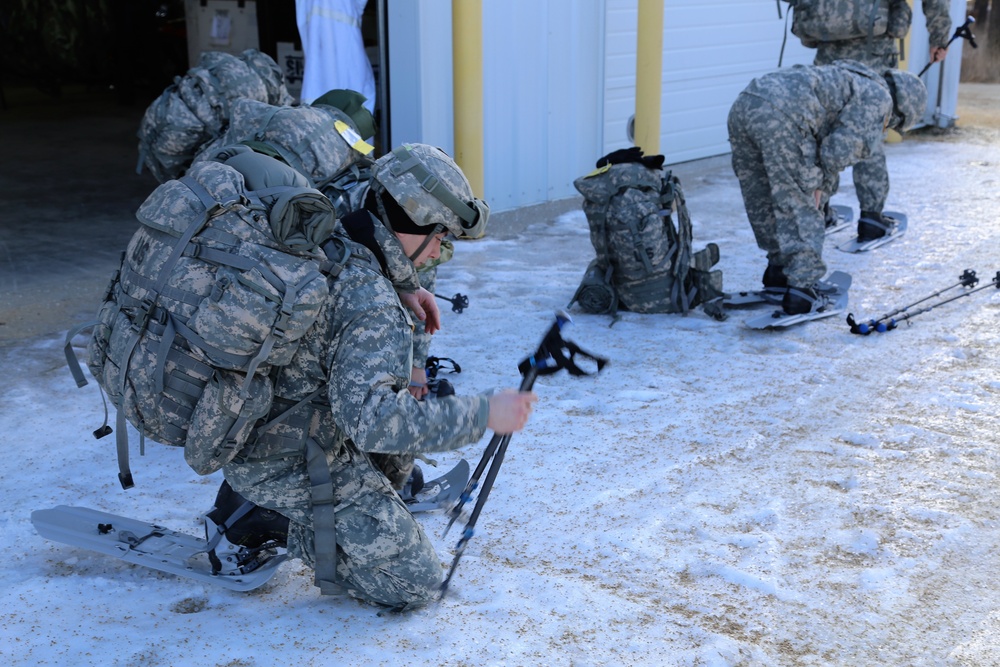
459, 302
993, 283
887, 322
552, 354
967, 279
962, 31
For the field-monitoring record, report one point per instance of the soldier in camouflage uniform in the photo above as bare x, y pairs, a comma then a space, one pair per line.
868, 32
311, 475
792, 131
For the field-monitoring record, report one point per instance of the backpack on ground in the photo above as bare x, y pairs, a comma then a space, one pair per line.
227, 272
194, 110
815, 21
320, 142
644, 262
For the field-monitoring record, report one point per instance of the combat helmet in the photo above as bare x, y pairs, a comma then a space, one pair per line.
431, 189
909, 98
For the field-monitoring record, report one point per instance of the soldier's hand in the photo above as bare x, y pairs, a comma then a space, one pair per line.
938, 53
818, 197
509, 410
424, 306
418, 382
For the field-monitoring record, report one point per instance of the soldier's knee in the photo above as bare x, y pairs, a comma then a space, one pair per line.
410, 579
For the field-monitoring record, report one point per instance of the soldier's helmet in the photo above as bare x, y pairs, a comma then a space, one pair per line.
909, 98
431, 189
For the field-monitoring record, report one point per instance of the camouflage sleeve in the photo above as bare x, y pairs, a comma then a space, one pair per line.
422, 339
369, 371
858, 128
938, 21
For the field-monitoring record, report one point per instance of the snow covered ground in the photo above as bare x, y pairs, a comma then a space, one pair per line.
718, 496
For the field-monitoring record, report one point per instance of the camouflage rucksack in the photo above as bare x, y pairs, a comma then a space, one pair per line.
194, 110
225, 275
644, 262
318, 141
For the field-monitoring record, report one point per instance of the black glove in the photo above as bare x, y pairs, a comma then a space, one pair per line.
633, 154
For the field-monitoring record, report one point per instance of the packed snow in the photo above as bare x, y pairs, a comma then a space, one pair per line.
718, 496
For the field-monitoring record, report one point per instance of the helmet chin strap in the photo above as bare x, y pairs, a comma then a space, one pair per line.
427, 239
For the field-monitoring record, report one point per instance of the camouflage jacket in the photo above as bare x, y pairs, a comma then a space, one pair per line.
358, 355
840, 110
897, 17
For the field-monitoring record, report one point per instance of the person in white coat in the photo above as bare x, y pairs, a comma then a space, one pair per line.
334, 49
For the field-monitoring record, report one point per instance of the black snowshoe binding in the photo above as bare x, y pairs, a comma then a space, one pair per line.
437, 385
801, 300
242, 533
873, 226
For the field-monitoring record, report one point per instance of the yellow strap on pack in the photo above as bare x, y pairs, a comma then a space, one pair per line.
353, 138
599, 170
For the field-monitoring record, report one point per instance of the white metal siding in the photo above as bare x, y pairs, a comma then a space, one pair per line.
711, 50
559, 81
940, 76
542, 84
420, 74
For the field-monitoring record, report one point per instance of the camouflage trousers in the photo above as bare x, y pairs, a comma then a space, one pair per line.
871, 177
383, 555
775, 163
871, 182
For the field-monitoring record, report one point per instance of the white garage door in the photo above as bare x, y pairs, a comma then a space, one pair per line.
711, 50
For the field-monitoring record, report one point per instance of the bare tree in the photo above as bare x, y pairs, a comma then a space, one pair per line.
993, 34
980, 10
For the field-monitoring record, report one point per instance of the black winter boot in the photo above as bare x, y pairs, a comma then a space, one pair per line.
872, 226
398, 468
258, 526
830, 217
441, 387
774, 277
799, 300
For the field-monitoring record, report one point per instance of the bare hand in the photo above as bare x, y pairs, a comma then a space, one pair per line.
938, 53
424, 306
418, 383
509, 410
817, 197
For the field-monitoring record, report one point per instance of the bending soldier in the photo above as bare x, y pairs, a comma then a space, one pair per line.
792, 131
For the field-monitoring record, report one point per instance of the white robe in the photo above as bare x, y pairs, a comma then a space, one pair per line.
334, 49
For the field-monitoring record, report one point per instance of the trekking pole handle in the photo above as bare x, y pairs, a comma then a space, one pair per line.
542, 357
459, 302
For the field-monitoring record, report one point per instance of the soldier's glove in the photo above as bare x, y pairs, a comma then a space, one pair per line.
633, 154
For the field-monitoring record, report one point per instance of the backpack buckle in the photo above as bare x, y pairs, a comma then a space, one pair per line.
145, 309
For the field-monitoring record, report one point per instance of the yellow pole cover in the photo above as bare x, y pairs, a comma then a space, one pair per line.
467, 87
649, 76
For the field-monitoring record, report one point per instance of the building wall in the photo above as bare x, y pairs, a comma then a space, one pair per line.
711, 50
559, 81
542, 69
